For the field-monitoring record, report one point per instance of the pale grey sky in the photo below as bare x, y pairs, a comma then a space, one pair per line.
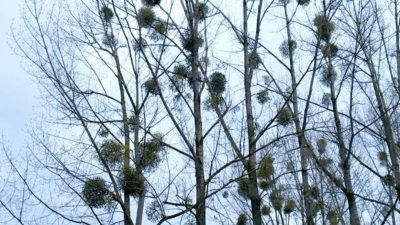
18, 92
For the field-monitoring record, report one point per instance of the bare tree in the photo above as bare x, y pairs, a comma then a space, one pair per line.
210, 112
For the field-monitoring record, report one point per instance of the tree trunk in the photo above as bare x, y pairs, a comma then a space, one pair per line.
126, 161
344, 160
140, 208
387, 124
300, 134
251, 168
198, 125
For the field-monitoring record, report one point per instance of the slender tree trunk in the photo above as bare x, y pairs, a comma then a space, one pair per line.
344, 159
383, 110
198, 125
126, 160
344, 153
252, 173
199, 158
397, 25
321, 182
387, 124
126, 199
142, 196
140, 208
396, 16
300, 134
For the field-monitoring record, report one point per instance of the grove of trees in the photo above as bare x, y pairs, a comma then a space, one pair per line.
209, 112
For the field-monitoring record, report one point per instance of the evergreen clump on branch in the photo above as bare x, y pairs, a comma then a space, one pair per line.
112, 152
151, 2
95, 192
284, 117
324, 27
107, 14
146, 17
200, 10
151, 152
132, 182
191, 41
303, 2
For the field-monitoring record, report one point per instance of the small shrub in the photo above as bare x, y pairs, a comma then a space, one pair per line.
321, 144
151, 86
276, 199
263, 96
225, 194
303, 2
191, 42
324, 27
132, 182
146, 17
254, 60
112, 152
326, 99
284, 117
290, 205
181, 72
266, 169
109, 40
213, 102
265, 184
154, 211
95, 192
286, 47
242, 219
150, 153
265, 210
217, 83
383, 157
328, 75
200, 11
243, 187
160, 27
332, 217
314, 192
151, 2
388, 180
107, 14
330, 50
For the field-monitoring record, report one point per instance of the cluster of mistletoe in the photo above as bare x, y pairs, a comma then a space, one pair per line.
151, 152
96, 191
217, 88
324, 30
276, 198
106, 15
146, 18
284, 117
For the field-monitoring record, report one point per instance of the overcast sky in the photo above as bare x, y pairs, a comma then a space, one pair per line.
18, 92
